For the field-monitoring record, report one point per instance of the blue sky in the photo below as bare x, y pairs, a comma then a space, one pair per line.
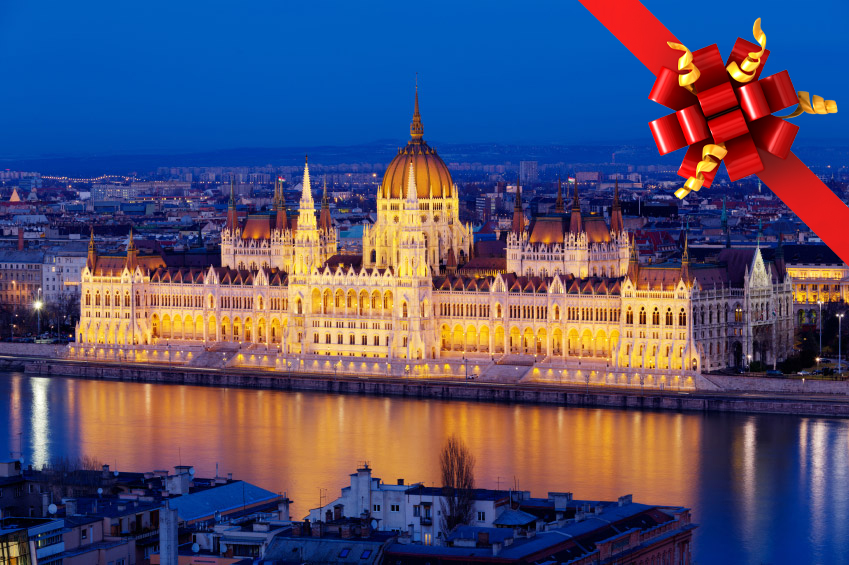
189, 75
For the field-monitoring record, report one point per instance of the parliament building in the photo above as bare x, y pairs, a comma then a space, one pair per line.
566, 290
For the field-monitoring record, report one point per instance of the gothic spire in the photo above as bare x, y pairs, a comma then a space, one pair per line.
558, 207
324, 221
518, 213
232, 215
617, 224
91, 261
416, 128
575, 224
281, 222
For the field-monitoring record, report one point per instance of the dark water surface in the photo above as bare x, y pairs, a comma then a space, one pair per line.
764, 489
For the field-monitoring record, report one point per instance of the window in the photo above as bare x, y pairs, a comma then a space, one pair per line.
344, 553
394, 508
417, 511
366, 554
481, 516
83, 534
376, 508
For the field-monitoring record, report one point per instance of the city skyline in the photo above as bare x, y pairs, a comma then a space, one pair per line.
212, 80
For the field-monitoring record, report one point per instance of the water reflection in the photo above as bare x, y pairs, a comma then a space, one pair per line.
753, 482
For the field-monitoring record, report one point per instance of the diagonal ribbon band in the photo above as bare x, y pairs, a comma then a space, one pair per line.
790, 179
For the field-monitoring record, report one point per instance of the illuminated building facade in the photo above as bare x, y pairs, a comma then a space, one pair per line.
819, 275
571, 290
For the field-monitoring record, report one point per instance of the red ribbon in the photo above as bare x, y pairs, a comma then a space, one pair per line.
725, 110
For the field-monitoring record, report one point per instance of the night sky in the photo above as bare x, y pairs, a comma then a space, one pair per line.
189, 75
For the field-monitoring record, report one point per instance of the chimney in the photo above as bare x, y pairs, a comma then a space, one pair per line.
105, 472
20, 238
307, 529
561, 500
496, 548
296, 529
346, 532
283, 509
168, 535
599, 509
483, 539
627, 499
401, 482
70, 506
337, 512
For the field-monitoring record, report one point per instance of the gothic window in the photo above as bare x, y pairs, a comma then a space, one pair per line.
629, 317
669, 316
351, 339
107, 299
682, 318
339, 339
738, 314
655, 317
377, 340
87, 298
327, 338
642, 316
498, 311
404, 310
364, 340
315, 338
97, 298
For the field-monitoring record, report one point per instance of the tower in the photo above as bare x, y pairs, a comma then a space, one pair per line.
575, 226
558, 207
412, 257
232, 216
307, 243
518, 213
616, 223
91, 261
324, 221
132, 253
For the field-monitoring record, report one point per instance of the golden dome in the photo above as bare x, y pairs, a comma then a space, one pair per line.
432, 176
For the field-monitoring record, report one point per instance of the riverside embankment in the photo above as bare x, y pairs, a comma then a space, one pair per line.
532, 393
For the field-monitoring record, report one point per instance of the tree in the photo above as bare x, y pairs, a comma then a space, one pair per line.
457, 466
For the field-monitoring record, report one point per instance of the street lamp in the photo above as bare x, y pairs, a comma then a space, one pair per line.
37, 305
820, 324
749, 367
839, 348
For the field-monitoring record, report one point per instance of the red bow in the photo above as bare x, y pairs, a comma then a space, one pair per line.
724, 111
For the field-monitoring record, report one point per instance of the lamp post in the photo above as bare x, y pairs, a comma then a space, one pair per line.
820, 324
839, 348
38, 304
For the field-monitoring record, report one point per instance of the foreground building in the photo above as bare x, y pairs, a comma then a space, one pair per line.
568, 292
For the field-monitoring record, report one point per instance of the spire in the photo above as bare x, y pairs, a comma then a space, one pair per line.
617, 224
132, 252
91, 261
324, 220
558, 207
760, 231
306, 213
232, 215
685, 257
281, 222
276, 197
575, 225
633, 260
518, 213
412, 189
416, 129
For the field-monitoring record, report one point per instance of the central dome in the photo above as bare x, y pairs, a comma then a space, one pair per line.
432, 177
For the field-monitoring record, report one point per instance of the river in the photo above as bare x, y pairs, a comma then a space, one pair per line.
764, 488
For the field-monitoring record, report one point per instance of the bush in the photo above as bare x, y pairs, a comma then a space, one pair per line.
757, 367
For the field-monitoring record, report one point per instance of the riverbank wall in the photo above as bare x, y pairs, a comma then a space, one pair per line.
448, 390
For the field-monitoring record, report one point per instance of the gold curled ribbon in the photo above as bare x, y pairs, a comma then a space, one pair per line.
706, 165
809, 105
745, 72
685, 63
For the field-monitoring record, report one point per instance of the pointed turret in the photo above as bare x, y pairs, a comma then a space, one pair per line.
132, 253
91, 261
558, 207
685, 257
306, 213
324, 221
518, 213
633, 261
232, 215
281, 221
575, 225
616, 223
416, 128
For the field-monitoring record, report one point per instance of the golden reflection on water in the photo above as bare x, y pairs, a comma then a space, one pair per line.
301, 442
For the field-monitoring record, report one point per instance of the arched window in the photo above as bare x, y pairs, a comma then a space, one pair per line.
404, 310
259, 306
87, 298
97, 298
669, 316
682, 318
738, 314
127, 299
106, 297
377, 340
655, 317
364, 340
498, 311
556, 312
299, 307
629, 317
642, 316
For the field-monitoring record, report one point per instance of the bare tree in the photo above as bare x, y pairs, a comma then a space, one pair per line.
457, 466
68, 476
